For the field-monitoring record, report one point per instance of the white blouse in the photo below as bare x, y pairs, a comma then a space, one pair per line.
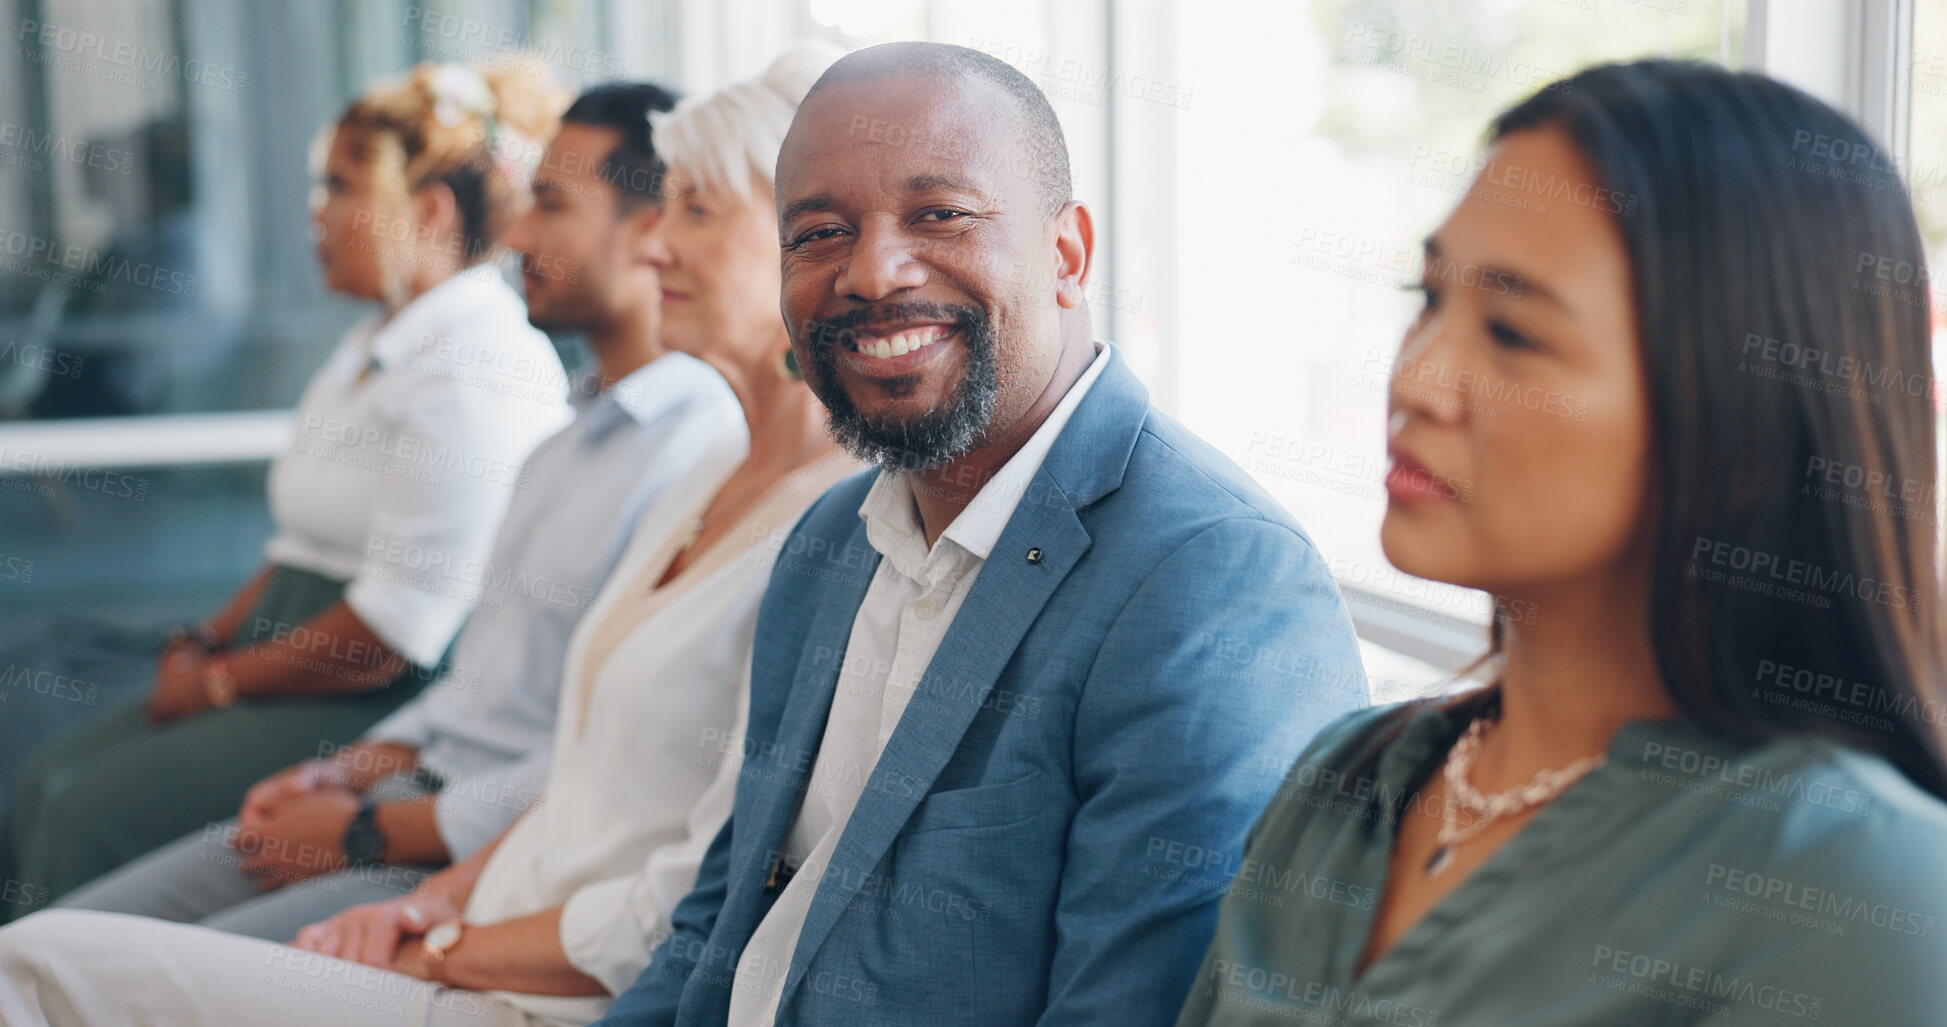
407, 447
653, 693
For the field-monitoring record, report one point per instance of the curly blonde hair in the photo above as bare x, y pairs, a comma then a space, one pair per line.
471, 130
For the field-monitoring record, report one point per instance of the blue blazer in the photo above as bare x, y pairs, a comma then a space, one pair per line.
1052, 823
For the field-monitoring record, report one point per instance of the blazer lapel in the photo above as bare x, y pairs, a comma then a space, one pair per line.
1087, 461
801, 725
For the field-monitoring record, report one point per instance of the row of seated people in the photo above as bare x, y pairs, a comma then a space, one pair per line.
893, 661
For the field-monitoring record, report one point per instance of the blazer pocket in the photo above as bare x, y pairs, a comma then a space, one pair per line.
980, 806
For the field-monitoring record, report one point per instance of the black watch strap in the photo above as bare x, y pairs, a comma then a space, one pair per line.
364, 843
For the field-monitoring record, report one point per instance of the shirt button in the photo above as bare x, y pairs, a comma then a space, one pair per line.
927, 609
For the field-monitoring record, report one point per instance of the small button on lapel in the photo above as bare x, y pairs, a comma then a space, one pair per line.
1034, 555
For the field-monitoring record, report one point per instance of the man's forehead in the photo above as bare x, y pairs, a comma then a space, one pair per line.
578, 151
912, 120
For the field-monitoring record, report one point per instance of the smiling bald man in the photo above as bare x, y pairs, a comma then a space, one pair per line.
1018, 693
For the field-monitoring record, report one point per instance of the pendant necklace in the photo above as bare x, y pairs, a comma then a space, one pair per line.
1543, 788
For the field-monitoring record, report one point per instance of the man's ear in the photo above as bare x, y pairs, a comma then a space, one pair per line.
1074, 254
636, 226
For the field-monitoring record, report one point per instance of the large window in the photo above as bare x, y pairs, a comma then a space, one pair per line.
1926, 167
1262, 173
1325, 142
156, 259
153, 181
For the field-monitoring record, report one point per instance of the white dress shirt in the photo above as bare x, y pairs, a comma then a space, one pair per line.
487, 726
654, 684
913, 598
408, 446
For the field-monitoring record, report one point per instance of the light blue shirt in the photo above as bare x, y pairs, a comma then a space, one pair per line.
486, 727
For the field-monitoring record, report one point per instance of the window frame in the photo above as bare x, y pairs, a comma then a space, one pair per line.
1857, 56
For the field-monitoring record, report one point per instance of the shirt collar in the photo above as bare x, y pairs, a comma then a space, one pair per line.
662, 383
645, 393
891, 517
416, 324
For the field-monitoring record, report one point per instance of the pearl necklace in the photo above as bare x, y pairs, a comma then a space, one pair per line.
1544, 787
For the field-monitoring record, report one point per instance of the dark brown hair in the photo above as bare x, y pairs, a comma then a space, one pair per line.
1768, 238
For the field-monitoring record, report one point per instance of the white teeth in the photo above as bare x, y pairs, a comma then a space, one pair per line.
901, 343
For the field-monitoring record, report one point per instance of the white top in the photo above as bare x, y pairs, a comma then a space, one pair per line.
914, 596
638, 739
413, 466
487, 726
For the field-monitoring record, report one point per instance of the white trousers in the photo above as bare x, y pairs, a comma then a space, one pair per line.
76, 968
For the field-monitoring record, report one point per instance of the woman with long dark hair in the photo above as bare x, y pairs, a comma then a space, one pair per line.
1678, 416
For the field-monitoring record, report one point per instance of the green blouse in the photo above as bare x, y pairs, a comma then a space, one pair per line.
1688, 879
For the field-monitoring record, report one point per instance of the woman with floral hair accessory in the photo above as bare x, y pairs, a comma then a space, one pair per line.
408, 445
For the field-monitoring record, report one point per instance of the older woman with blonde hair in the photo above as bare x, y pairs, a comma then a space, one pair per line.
408, 447
562, 911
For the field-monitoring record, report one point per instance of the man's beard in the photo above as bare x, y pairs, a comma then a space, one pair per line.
933, 438
577, 310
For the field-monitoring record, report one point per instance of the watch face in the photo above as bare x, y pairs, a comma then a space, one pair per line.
444, 935
364, 845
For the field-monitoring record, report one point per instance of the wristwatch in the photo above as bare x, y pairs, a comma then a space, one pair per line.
438, 942
219, 687
364, 843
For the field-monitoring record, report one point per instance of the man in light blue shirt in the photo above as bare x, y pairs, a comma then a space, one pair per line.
447, 773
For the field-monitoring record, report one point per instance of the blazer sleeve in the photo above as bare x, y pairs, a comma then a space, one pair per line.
652, 1001
1231, 655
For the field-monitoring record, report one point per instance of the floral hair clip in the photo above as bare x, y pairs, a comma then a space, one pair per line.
515, 153
459, 91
